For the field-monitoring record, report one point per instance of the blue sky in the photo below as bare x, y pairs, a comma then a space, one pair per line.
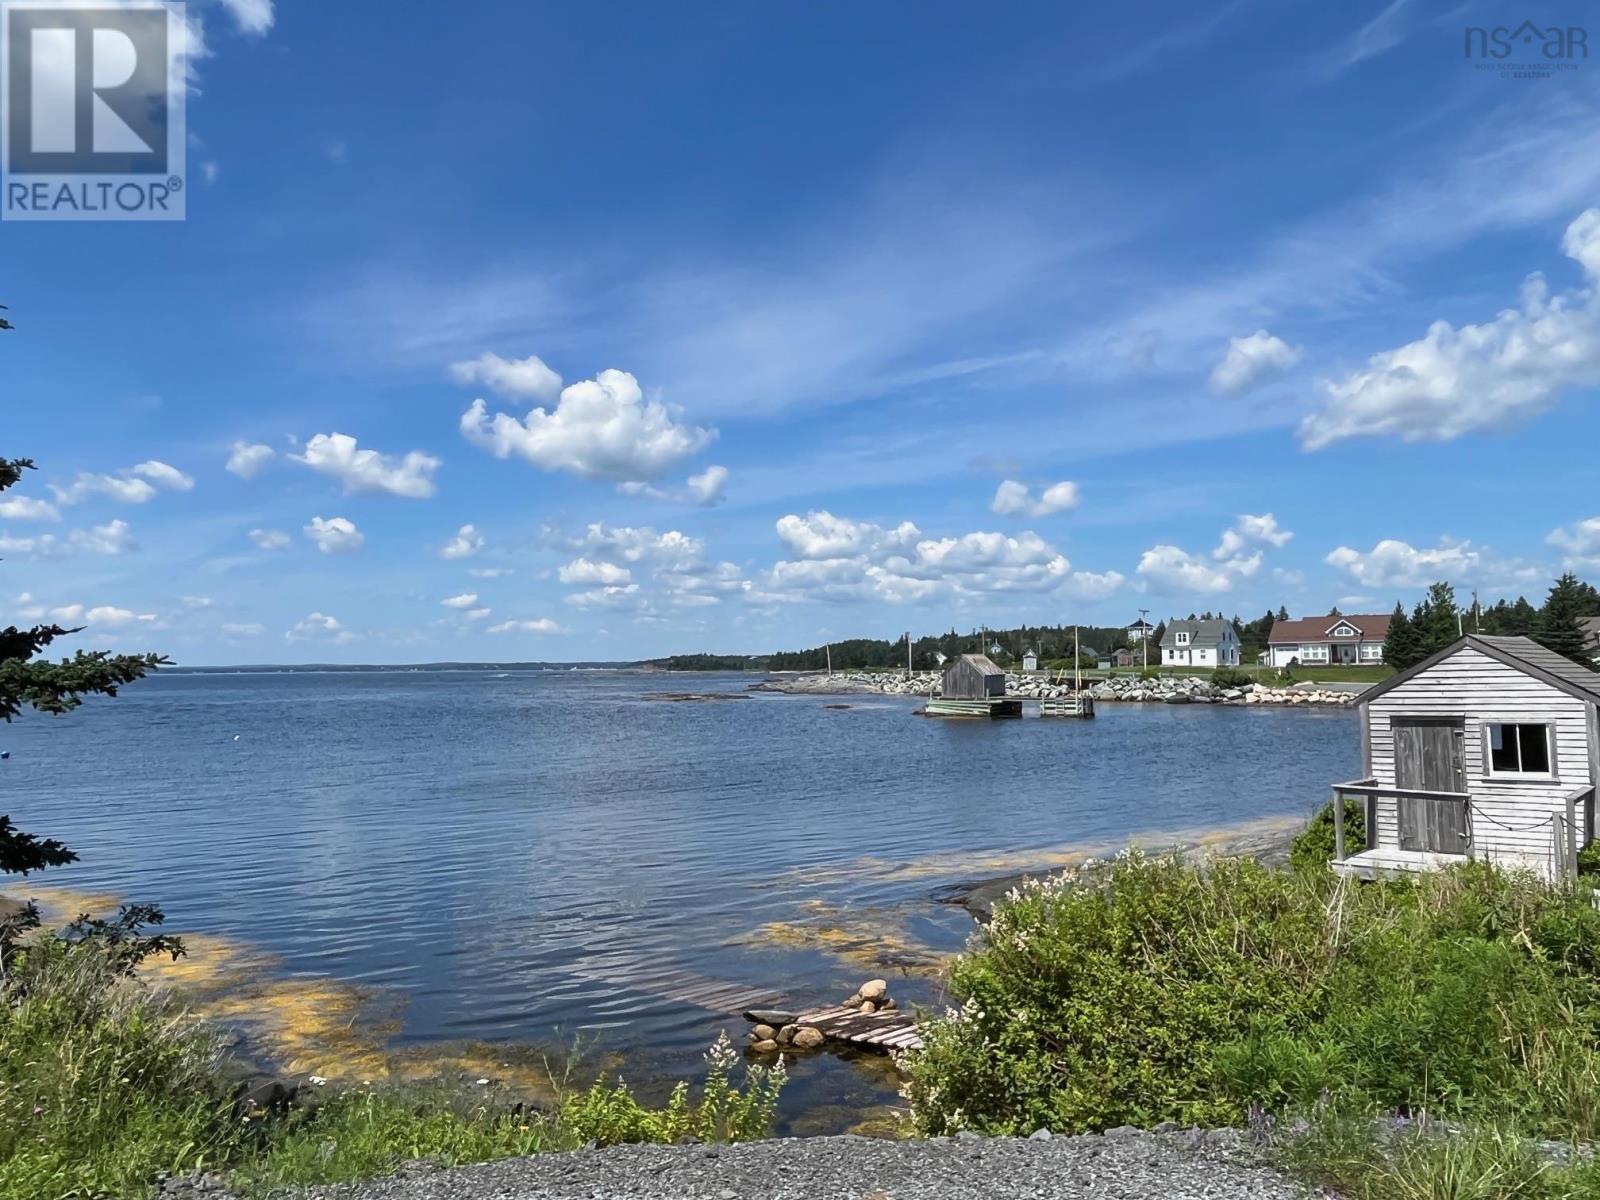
798, 322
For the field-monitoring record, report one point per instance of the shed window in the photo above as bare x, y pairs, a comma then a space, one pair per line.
1519, 749
1183, 639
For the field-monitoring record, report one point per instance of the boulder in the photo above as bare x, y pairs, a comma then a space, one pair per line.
868, 1007
807, 1038
786, 1034
765, 1046
874, 989
769, 1016
762, 1033
854, 1001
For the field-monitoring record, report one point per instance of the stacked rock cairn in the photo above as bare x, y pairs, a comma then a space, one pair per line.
780, 1031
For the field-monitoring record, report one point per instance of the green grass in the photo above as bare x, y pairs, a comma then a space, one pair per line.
1368, 673
105, 1085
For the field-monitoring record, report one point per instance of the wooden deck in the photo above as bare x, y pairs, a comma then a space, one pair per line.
892, 1030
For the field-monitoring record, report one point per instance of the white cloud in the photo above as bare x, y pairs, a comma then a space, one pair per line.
319, 627
822, 535
842, 559
109, 616
1397, 564
601, 428
270, 539
624, 596
467, 542
114, 537
1249, 531
464, 600
1172, 569
588, 572
252, 16
136, 485
1580, 542
164, 476
336, 535
638, 544
1013, 497
477, 614
243, 629
489, 572
536, 625
247, 458
527, 378
707, 487
1251, 359
1238, 555
196, 601
1454, 381
338, 456
25, 508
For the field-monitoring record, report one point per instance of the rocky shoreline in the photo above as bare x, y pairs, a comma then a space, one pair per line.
1165, 689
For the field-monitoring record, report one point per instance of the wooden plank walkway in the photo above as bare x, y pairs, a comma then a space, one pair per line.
892, 1030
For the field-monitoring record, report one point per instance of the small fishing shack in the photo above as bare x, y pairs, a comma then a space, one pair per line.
973, 687
1489, 749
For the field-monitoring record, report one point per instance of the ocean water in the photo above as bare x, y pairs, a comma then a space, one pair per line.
515, 857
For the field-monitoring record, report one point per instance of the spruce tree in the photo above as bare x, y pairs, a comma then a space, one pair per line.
1438, 624
1560, 624
1402, 645
50, 687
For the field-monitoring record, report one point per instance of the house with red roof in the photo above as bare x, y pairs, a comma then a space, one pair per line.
1350, 639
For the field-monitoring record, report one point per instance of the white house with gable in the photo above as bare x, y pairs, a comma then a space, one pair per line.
1204, 643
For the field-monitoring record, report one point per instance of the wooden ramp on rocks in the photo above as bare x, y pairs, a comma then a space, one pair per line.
892, 1030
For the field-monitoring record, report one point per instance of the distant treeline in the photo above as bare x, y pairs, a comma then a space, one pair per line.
1438, 620
709, 662
1052, 643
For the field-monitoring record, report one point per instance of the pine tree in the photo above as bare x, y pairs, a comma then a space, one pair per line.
50, 687
1283, 612
1437, 619
1402, 645
1560, 626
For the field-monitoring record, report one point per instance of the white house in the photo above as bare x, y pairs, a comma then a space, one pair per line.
1139, 630
1322, 641
1207, 643
1489, 749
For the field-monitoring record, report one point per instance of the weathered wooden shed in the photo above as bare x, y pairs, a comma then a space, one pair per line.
1489, 749
973, 677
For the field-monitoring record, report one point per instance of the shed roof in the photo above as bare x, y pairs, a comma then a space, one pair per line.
982, 662
1369, 627
1201, 633
1525, 654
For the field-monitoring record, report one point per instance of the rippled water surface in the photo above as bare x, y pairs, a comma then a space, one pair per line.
513, 856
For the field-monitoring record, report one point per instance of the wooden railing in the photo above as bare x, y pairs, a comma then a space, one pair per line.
1569, 829
1373, 791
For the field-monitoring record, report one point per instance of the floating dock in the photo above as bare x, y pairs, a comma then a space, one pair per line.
1077, 705
995, 707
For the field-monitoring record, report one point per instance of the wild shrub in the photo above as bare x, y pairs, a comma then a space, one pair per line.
1313, 848
1143, 990
1231, 677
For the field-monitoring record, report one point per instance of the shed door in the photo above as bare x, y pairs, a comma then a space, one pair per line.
1430, 756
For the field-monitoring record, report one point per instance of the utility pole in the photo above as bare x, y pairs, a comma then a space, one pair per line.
1477, 625
908, 654
1144, 637
829, 649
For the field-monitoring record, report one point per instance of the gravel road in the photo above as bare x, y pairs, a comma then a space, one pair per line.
1122, 1165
